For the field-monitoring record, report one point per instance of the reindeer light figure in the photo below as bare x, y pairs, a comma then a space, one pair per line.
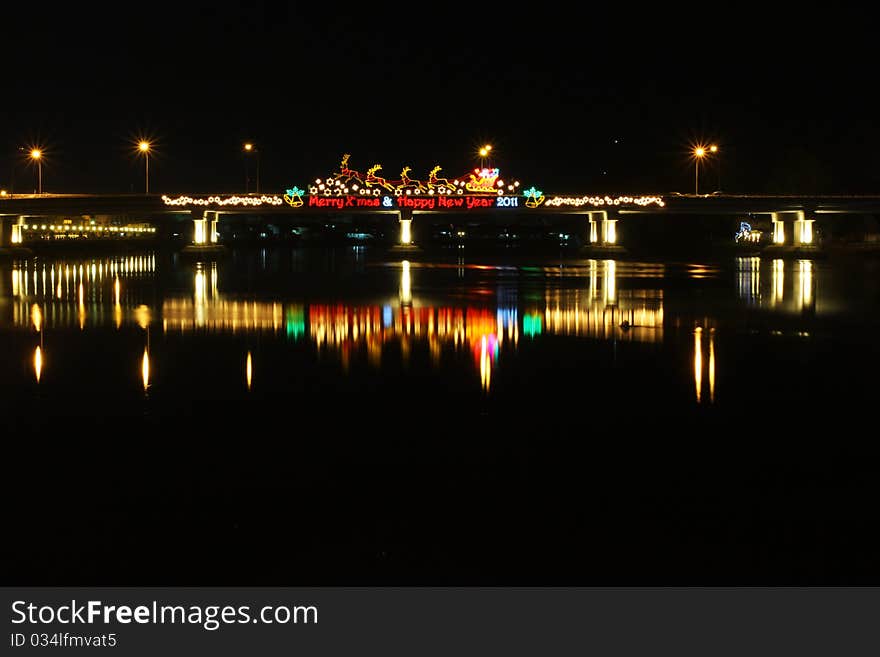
408, 183
373, 179
441, 184
346, 172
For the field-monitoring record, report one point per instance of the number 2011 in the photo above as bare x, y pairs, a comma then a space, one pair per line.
507, 202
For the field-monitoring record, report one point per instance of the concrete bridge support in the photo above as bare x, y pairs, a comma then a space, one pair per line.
11, 234
801, 228
603, 228
405, 219
205, 237
205, 227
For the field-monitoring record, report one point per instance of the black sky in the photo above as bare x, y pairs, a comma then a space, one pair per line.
573, 97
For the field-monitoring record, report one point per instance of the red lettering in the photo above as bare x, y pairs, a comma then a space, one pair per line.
445, 202
477, 202
416, 203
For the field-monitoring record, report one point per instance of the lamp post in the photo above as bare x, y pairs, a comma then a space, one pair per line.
37, 156
144, 147
484, 153
248, 149
699, 154
714, 150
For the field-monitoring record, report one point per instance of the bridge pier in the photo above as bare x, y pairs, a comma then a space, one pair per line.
205, 235
11, 235
405, 236
603, 228
801, 228
405, 219
205, 227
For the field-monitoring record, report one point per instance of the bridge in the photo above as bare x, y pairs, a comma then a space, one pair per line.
480, 193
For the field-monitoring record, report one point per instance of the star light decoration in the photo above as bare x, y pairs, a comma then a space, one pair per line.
349, 181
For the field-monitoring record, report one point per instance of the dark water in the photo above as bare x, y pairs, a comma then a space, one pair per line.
317, 416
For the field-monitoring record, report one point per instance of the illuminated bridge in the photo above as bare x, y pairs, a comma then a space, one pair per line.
482, 193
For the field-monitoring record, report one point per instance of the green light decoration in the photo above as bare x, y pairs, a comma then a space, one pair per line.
532, 325
294, 196
534, 197
296, 321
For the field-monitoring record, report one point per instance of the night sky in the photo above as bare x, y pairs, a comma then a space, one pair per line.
578, 100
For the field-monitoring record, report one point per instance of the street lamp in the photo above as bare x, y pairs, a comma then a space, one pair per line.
714, 150
699, 154
37, 156
484, 153
144, 147
248, 149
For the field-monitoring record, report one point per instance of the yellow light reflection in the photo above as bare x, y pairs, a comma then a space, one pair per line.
405, 283
610, 283
698, 362
142, 316
82, 306
249, 370
778, 280
145, 369
36, 317
805, 271
117, 308
38, 362
712, 365
485, 364
594, 278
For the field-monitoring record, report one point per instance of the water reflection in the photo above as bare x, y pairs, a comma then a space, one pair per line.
778, 282
805, 284
405, 283
699, 365
79, 292
589, 299
38, 362
145, 369
771, 294
748, 279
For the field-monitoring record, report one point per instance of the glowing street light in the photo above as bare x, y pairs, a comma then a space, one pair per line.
144, 147
37, 156
248, 149
484, 153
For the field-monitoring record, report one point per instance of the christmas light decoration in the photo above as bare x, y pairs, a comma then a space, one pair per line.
534, 197
747, 234
600, 201
229, 200
293, 197
348, 180
483, 180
